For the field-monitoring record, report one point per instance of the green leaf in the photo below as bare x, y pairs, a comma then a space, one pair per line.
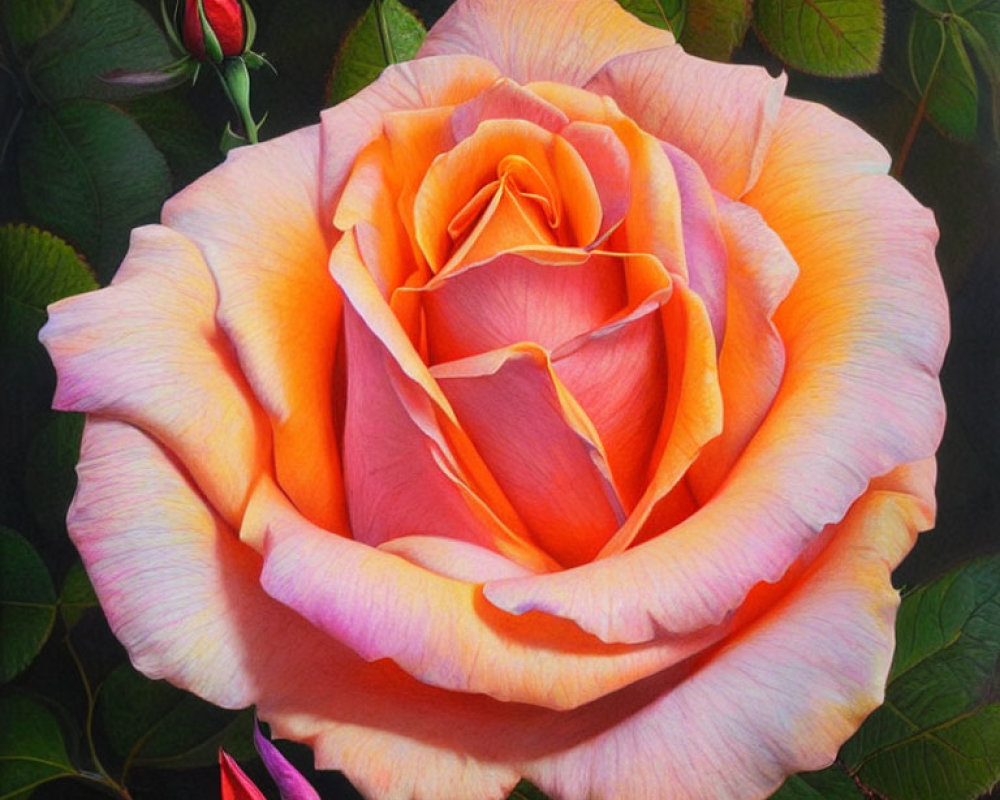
27, 604
362, 58
715, 28
32, 751
527, 791
153, 724
50, 477
828, 784
77, 595
97, 38
667, 14
937, 737
36, 268
90, 172
941, 74
835, 38
169, 120
29, 20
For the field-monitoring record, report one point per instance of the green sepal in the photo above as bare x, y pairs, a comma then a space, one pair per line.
213, 49
170, 26
249, 26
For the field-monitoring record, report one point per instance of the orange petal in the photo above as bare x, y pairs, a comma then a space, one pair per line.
349, 127
267, 248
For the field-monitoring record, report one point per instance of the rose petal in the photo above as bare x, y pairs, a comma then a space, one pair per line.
454, 558
617, 374
267, 248
506, 100
671, 95
440, 630
349, 127
607, 161
497, 148
533, 40
179, 590
147, 350
399, 739
401, 476
752, 362
513, 298
692, 417
539, 445
705, 252
778, 698
859, 396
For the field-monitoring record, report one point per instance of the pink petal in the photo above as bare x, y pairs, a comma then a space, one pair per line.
179, 589
533, 40
778, 698
539, 445
859, 396
147, 350
705, 253
506, 100
439, 630
454, 558
401, 475
608, 163
617, 374
174, 574
692, 417
514, 298
752, 362
723, 116
266, 244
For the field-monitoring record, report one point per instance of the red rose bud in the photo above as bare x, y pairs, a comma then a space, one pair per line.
218, 32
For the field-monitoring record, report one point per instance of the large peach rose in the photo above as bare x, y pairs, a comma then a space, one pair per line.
558, 407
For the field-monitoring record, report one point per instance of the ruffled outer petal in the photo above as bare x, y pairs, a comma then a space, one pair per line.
267, 248
533, 40
721, 115
182, 594
778, 698
147, 350
860, 393
438, 629
168, 558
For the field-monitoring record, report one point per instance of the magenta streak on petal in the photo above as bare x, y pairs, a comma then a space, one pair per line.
704, 246
290, 782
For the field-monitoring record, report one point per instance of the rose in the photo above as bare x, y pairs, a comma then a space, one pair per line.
558, 407
224, 21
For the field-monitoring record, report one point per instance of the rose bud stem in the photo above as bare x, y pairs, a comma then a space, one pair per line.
236, 82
